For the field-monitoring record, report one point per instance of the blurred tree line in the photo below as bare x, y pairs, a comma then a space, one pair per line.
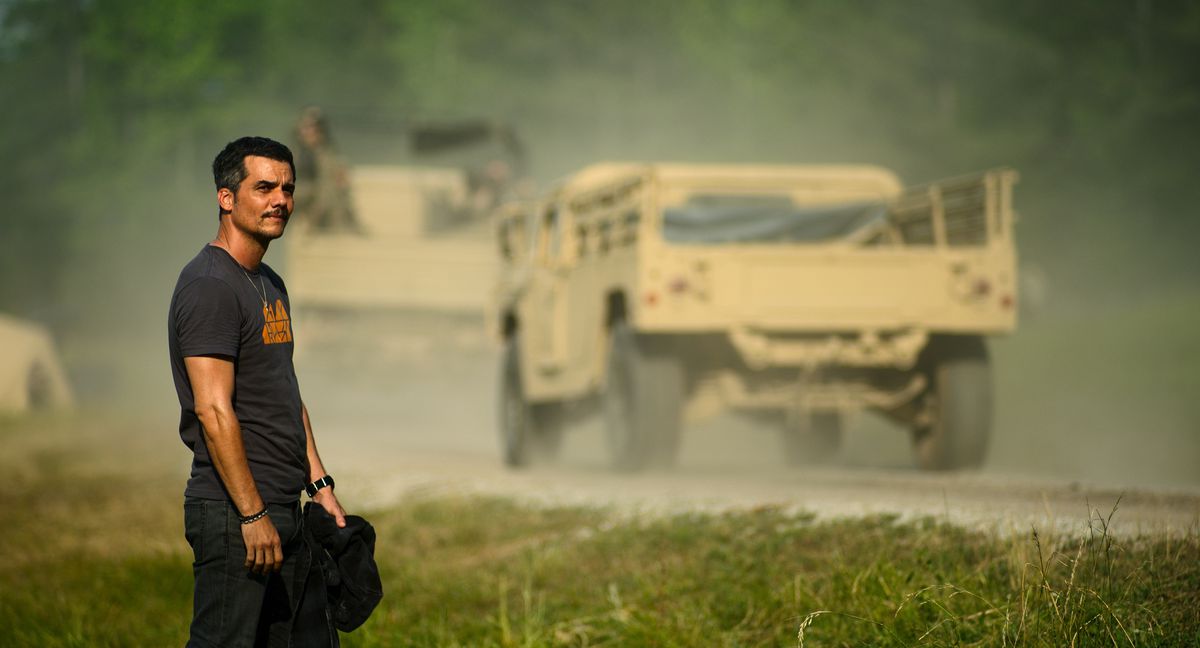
111, 110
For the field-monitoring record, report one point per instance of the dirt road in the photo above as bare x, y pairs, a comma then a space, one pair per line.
407, 407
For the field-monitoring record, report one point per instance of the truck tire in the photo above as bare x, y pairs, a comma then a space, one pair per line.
811, 437
528, 432
960, 386
641, 403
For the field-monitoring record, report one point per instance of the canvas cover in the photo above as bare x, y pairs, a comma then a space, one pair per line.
764, 219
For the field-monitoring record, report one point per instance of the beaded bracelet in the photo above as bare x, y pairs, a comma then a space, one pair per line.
253, 518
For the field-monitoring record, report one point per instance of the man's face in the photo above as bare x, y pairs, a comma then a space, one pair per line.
263, 202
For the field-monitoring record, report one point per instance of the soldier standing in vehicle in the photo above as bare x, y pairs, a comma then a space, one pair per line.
323, 200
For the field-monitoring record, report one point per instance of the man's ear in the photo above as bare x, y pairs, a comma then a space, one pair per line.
225, 199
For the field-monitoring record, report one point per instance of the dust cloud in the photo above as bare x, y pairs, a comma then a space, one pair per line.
1098, 383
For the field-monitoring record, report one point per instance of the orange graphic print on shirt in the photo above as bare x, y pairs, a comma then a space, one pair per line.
278, 329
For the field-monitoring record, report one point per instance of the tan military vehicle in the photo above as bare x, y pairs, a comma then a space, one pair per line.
31, 375
422, 239
664, 293
401, 258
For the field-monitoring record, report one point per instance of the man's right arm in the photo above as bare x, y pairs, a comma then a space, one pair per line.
212, 389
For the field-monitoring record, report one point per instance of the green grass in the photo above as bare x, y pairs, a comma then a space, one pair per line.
479, 572
94, 559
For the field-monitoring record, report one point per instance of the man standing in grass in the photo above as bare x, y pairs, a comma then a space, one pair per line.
230, 338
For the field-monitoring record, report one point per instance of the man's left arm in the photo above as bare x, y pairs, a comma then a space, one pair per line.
316, 470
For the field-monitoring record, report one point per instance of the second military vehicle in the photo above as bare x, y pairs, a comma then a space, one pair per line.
664, 293
421, 240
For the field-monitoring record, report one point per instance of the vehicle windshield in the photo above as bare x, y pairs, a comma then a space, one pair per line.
709, 219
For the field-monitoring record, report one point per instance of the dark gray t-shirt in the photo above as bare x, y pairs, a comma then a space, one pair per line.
217, 309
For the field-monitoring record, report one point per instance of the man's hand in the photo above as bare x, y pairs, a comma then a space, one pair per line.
264, 551
329, 502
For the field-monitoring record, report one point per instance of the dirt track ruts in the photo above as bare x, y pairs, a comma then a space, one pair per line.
408, 410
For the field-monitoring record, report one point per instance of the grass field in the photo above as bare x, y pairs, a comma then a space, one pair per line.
96, 558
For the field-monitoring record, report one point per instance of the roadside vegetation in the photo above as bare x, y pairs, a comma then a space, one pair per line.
95, 557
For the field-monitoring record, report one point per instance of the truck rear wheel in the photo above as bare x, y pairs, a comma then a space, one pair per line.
641, 403
528, 431
960, 386
811, 437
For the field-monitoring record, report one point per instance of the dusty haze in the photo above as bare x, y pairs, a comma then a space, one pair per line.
107, 170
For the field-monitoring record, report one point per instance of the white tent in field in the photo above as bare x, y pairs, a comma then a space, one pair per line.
31, 376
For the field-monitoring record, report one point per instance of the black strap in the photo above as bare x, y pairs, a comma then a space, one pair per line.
312, 488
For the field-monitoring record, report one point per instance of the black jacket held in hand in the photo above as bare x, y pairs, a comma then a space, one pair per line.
347, 558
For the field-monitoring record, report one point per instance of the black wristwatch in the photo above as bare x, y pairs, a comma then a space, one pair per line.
312, 488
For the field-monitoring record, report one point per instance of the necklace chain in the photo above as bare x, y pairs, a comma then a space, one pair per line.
260, 283
263, 296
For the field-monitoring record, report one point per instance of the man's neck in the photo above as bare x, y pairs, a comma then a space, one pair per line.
246, 250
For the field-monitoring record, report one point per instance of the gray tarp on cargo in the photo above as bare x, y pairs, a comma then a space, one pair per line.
30, 374
764, 219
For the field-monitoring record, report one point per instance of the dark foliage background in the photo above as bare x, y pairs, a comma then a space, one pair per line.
111, 109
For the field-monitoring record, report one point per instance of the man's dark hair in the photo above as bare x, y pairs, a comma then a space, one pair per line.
229, 167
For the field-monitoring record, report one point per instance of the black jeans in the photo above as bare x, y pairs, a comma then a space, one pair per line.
234, 607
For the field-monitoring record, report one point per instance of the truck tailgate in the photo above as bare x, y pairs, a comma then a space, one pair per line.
942, 260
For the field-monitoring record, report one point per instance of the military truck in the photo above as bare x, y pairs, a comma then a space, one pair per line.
423, 241
660, 294
31, 374
401, 260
